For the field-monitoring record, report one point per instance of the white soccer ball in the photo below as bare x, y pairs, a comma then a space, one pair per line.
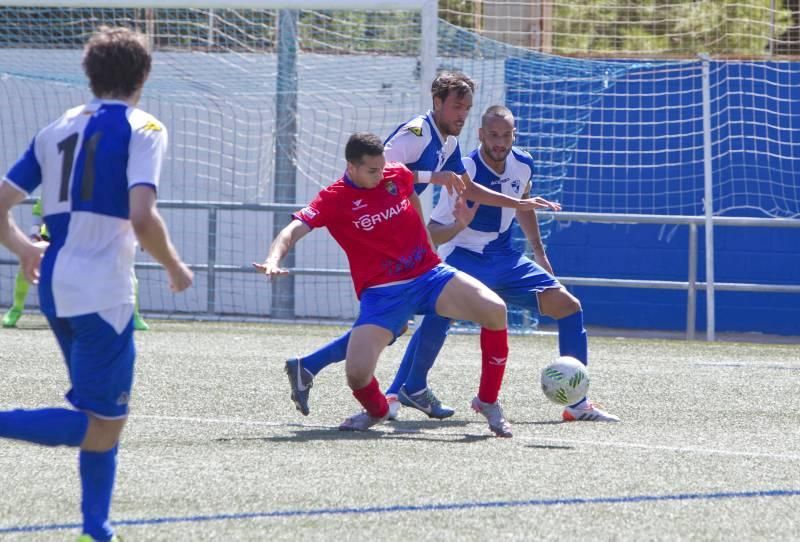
565, 381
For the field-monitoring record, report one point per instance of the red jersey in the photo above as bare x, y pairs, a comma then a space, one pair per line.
378, 228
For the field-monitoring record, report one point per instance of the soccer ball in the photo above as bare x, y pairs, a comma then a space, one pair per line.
565, 381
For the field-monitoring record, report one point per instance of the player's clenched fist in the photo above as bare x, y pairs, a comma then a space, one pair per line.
180, 277
31, 259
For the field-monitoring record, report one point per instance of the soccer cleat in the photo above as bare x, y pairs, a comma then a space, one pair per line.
11, 317
590, 413
425, 401
394, 405
87, 538
300, 381
494, 414
139, 324
361, 422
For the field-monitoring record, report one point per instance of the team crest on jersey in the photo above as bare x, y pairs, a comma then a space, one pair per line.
308, 212
391, 188
416, 130
515, 185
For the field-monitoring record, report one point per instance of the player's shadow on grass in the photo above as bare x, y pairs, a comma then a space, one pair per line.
544, 422
27, 326
311, 435
410, 426
414, 431
550, 447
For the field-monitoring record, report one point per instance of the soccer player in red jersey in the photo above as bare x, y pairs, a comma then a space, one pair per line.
374, 214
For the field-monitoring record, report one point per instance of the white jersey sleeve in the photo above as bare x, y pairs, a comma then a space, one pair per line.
408, 143
147, 148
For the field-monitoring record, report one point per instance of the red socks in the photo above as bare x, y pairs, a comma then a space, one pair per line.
372, 399
494, 353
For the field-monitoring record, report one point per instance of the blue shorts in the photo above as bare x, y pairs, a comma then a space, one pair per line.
390, 307
100, 363
513, 276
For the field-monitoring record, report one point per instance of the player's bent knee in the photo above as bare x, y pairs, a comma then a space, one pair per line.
102, 434
558, 303
568, 305
359, 372
356, 381
495, 314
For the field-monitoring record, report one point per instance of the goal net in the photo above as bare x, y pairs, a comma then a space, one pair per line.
255, 122
216, 84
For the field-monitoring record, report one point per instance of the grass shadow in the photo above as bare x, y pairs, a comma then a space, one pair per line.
546, 422
549, 447
394, 433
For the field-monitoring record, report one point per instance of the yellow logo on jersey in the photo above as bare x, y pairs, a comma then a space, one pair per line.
151, 126
416, 130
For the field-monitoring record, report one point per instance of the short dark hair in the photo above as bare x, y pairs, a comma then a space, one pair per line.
362, 144
117, 61
496, 111
456, 82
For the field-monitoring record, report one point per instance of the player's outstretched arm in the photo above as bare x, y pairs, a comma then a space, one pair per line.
480, 194
29, 253
153, 236
529, 224
283, 242
538, 202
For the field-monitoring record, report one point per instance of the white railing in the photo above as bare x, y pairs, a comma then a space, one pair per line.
691, 284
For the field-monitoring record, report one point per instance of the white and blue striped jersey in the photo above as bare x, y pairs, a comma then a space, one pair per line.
490, 230
86, 162
419, 145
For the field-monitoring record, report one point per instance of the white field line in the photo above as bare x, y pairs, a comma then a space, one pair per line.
442, 432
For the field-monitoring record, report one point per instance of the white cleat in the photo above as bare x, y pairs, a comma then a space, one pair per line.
361, 422
394, 405
494, 415
589, 413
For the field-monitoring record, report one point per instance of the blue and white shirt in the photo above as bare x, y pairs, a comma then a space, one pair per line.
420, 146
490, 230
86, 162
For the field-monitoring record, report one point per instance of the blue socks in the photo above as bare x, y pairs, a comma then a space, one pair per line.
420, 355
98, 470
65, 427
332, 352
572, 339
46, 426
405, 364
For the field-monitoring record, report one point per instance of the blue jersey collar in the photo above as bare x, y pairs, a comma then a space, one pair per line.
483, 162
349, 182
434, 128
